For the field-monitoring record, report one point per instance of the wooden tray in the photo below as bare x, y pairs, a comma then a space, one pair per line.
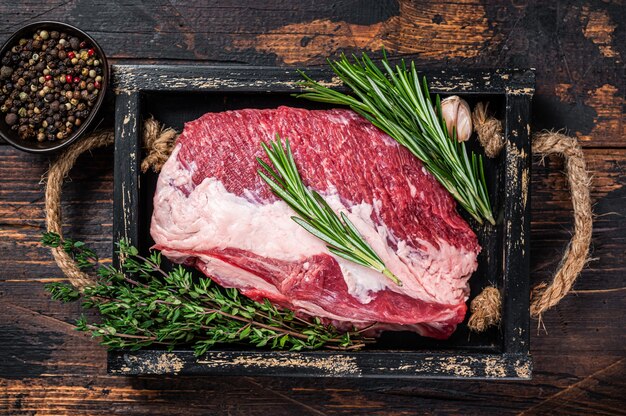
176, 94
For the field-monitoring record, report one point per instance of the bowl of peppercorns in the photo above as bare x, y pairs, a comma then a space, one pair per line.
53, 79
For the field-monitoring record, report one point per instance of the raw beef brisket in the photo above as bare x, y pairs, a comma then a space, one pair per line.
211, 210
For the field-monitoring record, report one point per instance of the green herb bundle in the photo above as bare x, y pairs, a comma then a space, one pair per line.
315, 215
140, 305
397, 102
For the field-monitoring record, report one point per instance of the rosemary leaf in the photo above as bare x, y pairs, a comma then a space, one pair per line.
316, 216
399, 103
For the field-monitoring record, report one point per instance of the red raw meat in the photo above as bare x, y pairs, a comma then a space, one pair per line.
212, 210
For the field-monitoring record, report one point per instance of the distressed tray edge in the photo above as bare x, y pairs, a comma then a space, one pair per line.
322, 364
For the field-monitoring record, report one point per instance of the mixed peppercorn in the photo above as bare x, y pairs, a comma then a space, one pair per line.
49, 85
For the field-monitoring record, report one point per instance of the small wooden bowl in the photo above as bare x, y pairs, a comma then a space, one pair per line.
32, 145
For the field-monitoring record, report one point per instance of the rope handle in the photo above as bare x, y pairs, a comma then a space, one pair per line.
58, 171
159, 142
485, 308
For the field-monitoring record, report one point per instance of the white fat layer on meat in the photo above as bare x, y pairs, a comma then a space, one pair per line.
315, 310
213, 218
234, 276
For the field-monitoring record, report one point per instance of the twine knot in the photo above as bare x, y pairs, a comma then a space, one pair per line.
485, 309
159, 142
488, 129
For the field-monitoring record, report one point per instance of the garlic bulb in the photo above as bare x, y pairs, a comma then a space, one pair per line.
457, 114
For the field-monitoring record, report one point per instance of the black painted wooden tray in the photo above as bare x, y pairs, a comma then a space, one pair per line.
176, 94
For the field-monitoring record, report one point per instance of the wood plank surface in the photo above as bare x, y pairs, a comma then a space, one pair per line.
578, 49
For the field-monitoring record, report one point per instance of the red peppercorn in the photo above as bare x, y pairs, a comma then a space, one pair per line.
97, 85
90, 52
48, 77
76, 80
68, 79
83, 44
71, 55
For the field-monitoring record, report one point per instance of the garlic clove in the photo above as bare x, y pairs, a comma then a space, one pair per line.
457, 114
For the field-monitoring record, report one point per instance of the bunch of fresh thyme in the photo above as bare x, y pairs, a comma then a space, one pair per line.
140, 305
398, 102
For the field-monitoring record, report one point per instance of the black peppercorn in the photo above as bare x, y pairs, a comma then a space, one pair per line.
74, 43
23, 132
6, 72
10, 119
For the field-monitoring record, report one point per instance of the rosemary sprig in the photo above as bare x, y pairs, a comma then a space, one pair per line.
140, 305
395, 101
315, 215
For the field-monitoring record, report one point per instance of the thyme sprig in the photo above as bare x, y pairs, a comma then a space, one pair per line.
315, 215
397, 102
140, 304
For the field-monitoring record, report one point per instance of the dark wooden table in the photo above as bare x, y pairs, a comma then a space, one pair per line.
578, 49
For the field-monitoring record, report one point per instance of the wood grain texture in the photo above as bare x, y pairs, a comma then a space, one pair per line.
578, 49
66, 370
